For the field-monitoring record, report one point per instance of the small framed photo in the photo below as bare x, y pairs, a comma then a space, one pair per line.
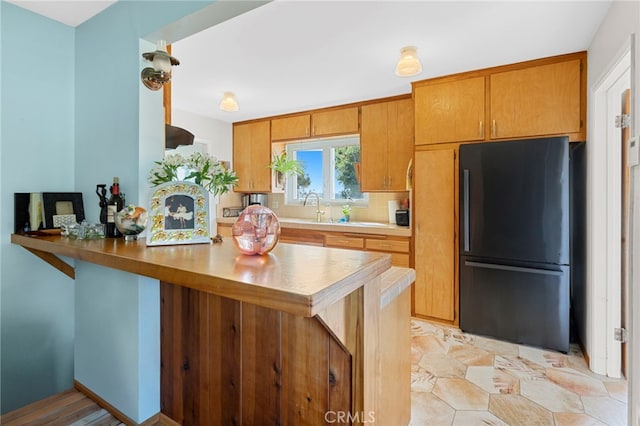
62, 208
179, 214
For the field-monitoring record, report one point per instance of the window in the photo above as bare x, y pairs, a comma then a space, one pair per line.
330, 170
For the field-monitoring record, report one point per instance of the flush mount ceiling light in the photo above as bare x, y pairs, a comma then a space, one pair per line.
160, 74
408, 64
229, 102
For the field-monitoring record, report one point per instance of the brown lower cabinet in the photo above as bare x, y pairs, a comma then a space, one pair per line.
225, 362
397, 247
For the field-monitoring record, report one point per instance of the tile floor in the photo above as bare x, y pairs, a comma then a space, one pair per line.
462, 379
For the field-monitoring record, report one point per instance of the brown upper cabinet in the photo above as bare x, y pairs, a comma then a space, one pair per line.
536, 101
335, 122
251, 156
293, 127
330, 122
450, 111
542, 97
386, 145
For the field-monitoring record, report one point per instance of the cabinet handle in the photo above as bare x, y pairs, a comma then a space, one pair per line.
481, 129
313, 130
306, 131
512, 268
465, 208
494, 129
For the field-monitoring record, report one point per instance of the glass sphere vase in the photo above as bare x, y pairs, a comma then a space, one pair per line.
256, 231
131, 221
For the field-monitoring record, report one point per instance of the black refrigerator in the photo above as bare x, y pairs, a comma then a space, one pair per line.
515, 231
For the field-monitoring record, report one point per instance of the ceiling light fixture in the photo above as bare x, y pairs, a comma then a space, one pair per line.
154, 78
408, 64
229, 102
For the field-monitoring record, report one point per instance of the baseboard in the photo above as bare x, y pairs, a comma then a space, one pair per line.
153, 420
163, 420
454, 323
585, 354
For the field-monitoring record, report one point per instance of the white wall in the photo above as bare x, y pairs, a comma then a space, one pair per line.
608, 45
621, 25
218, 137
217, 134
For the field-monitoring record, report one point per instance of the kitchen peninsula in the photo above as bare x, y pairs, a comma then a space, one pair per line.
304, 335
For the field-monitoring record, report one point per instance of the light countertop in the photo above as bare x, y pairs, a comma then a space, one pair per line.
355, 227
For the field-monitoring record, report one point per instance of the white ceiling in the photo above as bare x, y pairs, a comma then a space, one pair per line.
72, 13
293, 55
289, 56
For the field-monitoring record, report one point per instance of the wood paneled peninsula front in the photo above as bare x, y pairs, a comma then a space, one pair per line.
304, 335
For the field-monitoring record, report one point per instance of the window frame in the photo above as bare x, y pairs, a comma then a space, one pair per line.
328, 165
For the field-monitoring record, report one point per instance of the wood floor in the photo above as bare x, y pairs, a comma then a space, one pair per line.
63, 409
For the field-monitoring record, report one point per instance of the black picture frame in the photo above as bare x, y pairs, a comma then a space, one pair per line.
20, 211
54, 203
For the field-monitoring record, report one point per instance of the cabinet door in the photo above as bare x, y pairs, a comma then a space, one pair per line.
251, 156
451, 111
335, 122
542, 100
242, 156
399, 143
386, 145
224, 229
374, 147
435, 225
343, 241
288, 128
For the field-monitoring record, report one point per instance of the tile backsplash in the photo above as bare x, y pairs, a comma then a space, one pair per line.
377, 211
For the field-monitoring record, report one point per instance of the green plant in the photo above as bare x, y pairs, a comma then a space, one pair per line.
202, 169
346, 210
287, 167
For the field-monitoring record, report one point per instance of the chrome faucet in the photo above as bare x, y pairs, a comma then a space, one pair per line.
319, 212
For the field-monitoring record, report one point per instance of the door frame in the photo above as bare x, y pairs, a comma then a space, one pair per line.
604, 247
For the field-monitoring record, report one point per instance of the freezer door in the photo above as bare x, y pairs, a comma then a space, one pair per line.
514, 200
518, 303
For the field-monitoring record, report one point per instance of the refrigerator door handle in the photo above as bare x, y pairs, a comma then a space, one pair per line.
512, 268
465, 212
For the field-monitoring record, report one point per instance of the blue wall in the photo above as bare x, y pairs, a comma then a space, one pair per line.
117, 314
36, 154
70, 119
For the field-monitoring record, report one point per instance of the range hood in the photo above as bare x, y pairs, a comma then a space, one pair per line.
176, 136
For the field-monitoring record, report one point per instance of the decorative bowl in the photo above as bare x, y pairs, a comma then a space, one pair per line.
256, 231
131, 221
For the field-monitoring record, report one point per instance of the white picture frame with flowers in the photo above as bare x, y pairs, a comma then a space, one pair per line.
179, 206
179, 214
199, 168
